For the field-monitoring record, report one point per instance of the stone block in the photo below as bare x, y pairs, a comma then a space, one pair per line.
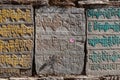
34, 2
60, 38
103, 41
16, 40
4, 79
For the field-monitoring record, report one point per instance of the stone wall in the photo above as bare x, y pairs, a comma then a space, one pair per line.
59, 38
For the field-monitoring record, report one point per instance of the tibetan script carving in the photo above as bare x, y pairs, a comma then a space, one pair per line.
16, 30
16, 40
15, 60
60, 39
103, 41
106, 13
15, 15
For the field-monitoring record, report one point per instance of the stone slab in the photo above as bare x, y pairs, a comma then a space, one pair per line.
60, 38
103, 41
16, 40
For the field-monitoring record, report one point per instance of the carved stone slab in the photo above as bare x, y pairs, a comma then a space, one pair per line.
16, 40
103, 41
60, 38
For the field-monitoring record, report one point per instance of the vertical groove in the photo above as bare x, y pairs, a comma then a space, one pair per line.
33, 62
85, 45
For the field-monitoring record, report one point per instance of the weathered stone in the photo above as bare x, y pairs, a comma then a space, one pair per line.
25, 78
42, 2
51, 78
33, 78
115, 77
4, 79
103, 41
63, 2
93, 2
60, 38
18, 78
16, 40
34, 2
81, 78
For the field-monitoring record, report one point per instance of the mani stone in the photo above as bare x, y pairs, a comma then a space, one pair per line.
103, 44
17, 44
60, 40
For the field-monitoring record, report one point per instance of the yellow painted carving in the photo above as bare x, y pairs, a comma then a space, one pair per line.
6, 70
16, 45
15, 60
16, 30
15, 15
28, 16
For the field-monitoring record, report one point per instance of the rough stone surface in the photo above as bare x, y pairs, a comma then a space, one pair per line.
57, 78
34, 2
25, 78
60, 37
63, 2
18, 78
3, 79
116, 77
63, 78
42, 2
60, 2
103, 44
51, 78
93, 2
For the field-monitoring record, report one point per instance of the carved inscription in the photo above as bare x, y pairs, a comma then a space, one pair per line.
16, 40
53, 22
105, 12
16, 30
103, 56
9, 71
15, 15
103, 41
60, 35
16, 45
14, 60
104, 60
104, 26
106, 66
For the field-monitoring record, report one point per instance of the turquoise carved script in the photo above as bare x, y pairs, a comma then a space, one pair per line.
106, 12
99, 67
99, 57
108, 41
89, 27
105, 27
